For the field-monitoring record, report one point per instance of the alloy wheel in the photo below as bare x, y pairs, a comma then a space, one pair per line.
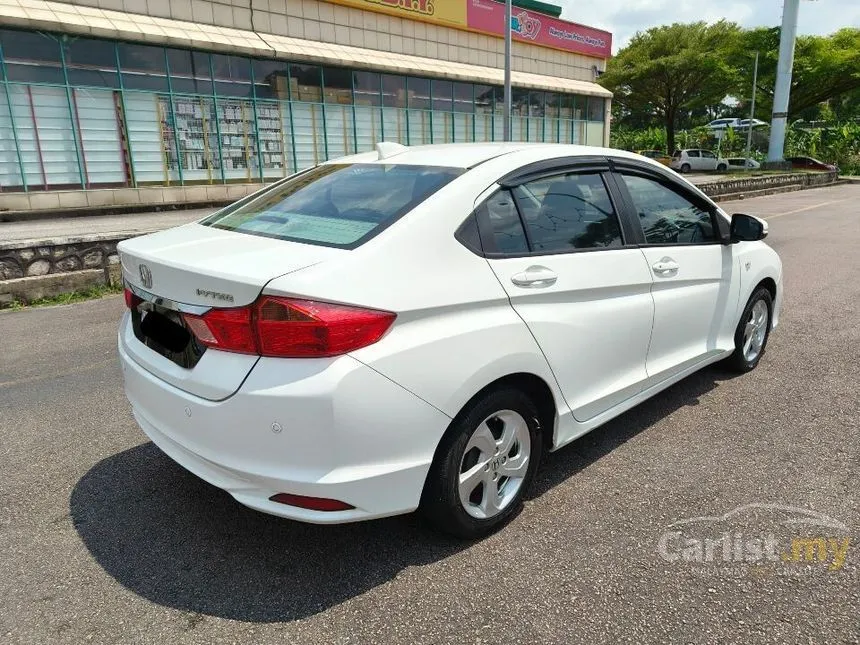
494, 464
755, 331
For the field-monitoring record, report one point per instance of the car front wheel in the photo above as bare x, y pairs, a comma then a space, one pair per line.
484, 465
721, 167
752, 332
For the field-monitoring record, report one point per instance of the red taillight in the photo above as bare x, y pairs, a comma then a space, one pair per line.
228, 329
312, 503
131, 300
290, 328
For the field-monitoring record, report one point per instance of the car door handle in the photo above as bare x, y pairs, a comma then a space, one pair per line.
665, 266
535, 277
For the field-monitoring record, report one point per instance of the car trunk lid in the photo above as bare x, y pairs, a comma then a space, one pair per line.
189, 270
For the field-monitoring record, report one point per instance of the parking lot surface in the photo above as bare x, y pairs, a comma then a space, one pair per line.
104, 539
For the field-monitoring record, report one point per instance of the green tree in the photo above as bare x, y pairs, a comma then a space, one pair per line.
671, 70
826, 68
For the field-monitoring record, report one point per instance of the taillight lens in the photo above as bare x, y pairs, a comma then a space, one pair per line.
131, 300
228, 329
290, 328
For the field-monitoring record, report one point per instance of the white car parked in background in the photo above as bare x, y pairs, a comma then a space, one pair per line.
412, 327
740, 162
696, 159
735, 124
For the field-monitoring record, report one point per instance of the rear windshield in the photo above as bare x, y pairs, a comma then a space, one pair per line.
340, 205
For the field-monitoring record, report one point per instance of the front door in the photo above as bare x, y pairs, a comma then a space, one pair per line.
695, 296
557, 247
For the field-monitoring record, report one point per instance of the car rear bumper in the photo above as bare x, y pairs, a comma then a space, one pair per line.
330, 428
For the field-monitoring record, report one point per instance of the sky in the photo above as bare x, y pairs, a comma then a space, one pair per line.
625, 17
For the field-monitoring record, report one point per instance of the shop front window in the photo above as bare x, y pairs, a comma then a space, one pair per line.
393, 91
367, 88
305, 83
189, 71
337, 85
595, 109
271, 79
232, 75
143, 67
31, 57
419, 93
91, 62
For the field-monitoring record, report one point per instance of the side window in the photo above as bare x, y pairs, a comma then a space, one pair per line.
567, 212
708, 155
500, 224
666, 216
693, 153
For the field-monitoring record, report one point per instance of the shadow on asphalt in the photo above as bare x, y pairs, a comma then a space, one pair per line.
179, 542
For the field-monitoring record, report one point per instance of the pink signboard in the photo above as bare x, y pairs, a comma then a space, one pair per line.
489, 16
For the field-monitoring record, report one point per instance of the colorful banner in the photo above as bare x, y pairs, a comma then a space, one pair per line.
489, 16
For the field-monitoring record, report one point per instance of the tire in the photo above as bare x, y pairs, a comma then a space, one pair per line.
685, 168
510, 419
743, 360
721, 167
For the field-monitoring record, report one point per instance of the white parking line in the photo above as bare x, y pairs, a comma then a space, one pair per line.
807, 208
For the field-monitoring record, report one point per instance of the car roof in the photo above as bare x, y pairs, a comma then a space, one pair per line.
468, 155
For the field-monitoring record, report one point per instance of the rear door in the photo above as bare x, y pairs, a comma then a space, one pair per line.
694, 159
557, 246
695, 289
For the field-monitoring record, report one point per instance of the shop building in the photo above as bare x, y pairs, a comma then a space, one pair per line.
120, 95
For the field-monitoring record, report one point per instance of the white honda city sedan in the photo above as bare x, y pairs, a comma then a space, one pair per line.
411, 328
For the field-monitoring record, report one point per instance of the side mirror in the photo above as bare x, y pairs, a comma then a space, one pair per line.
746, 228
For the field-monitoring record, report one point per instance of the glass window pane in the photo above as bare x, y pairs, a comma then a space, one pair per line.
569, 212
189, 71
483, 98
32, 57
463, 99
536, 103
232, 75
143, 67
337, 84
91, 62
419, 93
519, 102
393, 91
336, 205
666, 216
578, 103
500, 100
271, 80
367, 88
500, 225
443, 92
595, 109
305, 83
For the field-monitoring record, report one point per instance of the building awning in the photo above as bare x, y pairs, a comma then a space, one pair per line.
118, 25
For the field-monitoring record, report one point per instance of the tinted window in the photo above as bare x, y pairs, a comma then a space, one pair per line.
501, 225
693, 153
666, 216
568, 212
708, 155
336, 205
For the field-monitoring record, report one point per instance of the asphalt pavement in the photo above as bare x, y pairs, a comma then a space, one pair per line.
103, 539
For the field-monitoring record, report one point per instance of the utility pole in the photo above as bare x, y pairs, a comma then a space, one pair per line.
782, 91
752, 114
507, 128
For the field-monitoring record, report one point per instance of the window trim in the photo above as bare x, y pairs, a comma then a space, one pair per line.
679, 189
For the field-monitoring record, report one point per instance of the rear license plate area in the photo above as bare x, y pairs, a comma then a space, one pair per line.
164, 331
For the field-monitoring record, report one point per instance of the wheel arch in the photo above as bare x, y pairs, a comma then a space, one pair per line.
535, 387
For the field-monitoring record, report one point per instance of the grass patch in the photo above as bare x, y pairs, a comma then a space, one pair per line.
91, 293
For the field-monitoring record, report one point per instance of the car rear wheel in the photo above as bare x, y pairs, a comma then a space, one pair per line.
484, 465
752, 332
685, 168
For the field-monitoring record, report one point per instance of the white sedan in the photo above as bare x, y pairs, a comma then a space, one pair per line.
411, 328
